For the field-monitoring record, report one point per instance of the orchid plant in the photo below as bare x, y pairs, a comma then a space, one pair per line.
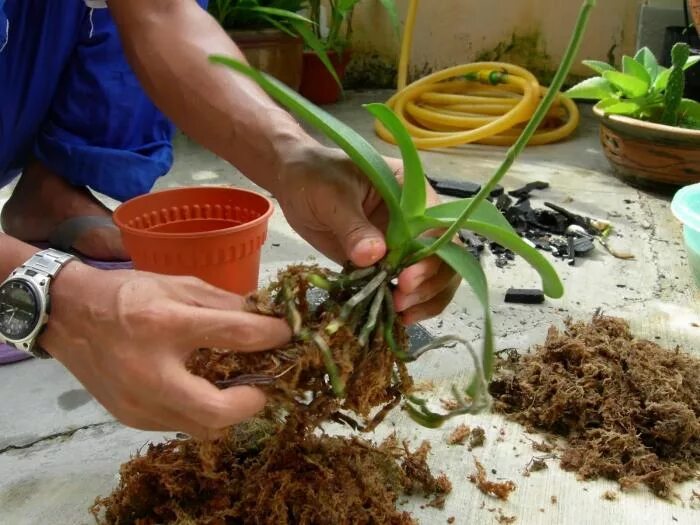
411, 219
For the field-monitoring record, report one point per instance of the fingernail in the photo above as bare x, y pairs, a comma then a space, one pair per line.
370, 248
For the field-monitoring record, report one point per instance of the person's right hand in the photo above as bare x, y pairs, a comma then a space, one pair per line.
126, 336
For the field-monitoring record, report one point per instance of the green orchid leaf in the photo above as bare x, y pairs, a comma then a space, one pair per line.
361, 152
414, 194
647, 59
628, 84
468, 267
313, 42
598, 66
551, 284
390, 8
596, 88
485, 212
631, 67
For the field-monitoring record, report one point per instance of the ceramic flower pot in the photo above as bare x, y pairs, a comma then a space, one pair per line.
213, 233
275, 52
317, 84
654, 156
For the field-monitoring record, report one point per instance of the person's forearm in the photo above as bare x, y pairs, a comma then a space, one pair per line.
13, 253
167, 43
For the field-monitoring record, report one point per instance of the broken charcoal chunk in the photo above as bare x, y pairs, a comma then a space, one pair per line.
473, 242
525, 191
456, 188
571, 251
503, 202
583, 246
524, 296
497, 192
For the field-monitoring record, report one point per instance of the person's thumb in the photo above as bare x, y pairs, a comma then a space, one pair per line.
362, 242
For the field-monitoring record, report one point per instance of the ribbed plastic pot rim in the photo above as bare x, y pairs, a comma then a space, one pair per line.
214, 233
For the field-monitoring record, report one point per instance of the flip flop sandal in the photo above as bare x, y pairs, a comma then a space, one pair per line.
63, 238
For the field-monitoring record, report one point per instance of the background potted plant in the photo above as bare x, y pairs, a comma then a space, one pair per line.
332, 24
272, 35
649, 132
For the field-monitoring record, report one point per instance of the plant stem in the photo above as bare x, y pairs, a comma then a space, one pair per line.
525, 136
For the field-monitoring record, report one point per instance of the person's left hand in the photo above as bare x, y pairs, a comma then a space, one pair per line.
330, 203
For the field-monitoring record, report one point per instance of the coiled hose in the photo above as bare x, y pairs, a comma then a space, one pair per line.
483, 102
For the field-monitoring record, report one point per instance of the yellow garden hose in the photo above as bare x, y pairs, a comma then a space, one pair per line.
483, 102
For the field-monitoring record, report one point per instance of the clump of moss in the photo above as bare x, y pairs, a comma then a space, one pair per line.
260, 474
629, 409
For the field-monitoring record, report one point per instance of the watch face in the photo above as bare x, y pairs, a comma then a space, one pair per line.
19, 310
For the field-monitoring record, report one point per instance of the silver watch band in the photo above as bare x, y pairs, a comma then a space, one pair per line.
48, 261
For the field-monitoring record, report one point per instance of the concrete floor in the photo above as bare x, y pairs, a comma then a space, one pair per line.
59, 449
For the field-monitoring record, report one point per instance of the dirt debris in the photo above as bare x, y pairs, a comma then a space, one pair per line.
504, 519
459, 435
477, 438
536, 465
500, 490
610, 495
628, 408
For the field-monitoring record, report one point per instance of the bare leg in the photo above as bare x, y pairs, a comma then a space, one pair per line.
42, 200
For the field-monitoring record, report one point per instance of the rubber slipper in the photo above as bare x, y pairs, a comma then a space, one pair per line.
63, 238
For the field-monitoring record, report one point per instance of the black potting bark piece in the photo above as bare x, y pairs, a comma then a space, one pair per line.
524, 296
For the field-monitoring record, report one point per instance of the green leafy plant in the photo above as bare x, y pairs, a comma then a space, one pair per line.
279, 14
644, 89
340, 21
410, 220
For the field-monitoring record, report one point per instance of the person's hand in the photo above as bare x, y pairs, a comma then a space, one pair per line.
126, 336
330, 203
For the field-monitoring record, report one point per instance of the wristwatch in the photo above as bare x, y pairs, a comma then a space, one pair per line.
25, 302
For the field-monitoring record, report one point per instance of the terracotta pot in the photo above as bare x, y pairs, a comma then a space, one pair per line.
274, 52
317, 84
694, 6
650, 155
213, 233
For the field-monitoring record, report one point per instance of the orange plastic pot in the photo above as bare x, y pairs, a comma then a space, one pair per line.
213, 233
